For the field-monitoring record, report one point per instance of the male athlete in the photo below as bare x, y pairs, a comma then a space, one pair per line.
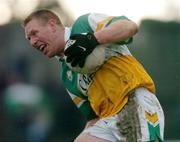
119, 99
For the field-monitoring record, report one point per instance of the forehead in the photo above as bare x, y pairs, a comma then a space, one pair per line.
34, 24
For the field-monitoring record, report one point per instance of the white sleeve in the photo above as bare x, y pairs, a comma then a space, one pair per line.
98, 21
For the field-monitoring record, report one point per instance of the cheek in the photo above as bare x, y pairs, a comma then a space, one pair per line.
48, 38
46, 35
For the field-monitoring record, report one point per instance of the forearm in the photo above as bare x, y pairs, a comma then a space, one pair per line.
118, 31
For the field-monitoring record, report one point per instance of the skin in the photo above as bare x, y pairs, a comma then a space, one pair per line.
118, 31
85, 137
48, 38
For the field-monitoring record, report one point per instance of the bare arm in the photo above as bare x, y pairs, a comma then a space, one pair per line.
118, 31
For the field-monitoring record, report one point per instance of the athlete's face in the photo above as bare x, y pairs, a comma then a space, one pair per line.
42, 36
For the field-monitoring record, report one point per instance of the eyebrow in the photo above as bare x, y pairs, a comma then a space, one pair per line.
30, 33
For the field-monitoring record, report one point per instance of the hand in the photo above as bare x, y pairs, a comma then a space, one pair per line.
78, 47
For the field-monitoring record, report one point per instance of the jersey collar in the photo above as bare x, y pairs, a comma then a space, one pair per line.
67, 33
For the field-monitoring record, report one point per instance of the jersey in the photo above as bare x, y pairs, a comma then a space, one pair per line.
105, 92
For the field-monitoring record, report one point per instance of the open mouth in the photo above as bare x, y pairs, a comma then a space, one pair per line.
42, 47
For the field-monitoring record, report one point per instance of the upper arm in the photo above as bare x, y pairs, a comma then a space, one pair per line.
100, 21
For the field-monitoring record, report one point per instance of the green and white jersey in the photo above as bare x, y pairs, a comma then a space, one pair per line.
77, 84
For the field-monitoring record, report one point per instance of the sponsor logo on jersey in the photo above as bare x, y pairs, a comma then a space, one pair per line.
69, 75
83, 82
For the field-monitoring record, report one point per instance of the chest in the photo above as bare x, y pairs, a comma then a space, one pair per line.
75, 83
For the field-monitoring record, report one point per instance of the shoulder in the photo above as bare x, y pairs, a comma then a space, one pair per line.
99, 21
81, 25
100, 17
92, 22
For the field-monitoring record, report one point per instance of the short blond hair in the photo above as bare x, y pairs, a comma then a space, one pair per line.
44, 15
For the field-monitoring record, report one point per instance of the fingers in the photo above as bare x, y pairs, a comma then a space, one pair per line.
82, 62
79, 47
69, 59
73, 52
76, 60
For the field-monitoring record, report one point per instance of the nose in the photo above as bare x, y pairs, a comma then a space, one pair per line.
33, 42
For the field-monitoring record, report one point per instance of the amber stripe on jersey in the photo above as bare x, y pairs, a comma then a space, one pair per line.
151, 117
101, 24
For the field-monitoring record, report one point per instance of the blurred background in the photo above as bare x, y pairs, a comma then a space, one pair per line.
34, 106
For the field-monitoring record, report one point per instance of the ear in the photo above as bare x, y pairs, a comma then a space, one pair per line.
52, 24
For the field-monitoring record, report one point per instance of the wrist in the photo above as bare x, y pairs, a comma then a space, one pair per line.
92, 40
101, 37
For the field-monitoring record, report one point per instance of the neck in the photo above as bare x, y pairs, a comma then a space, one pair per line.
61, 41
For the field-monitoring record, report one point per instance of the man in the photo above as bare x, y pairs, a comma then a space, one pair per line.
119, 99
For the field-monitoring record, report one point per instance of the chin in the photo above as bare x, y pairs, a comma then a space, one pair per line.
50, 55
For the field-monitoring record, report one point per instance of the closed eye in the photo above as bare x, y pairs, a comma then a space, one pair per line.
32, 34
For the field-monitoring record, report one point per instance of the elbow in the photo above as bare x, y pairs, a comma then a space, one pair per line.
133, 28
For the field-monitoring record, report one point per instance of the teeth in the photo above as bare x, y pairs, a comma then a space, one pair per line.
41, 47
